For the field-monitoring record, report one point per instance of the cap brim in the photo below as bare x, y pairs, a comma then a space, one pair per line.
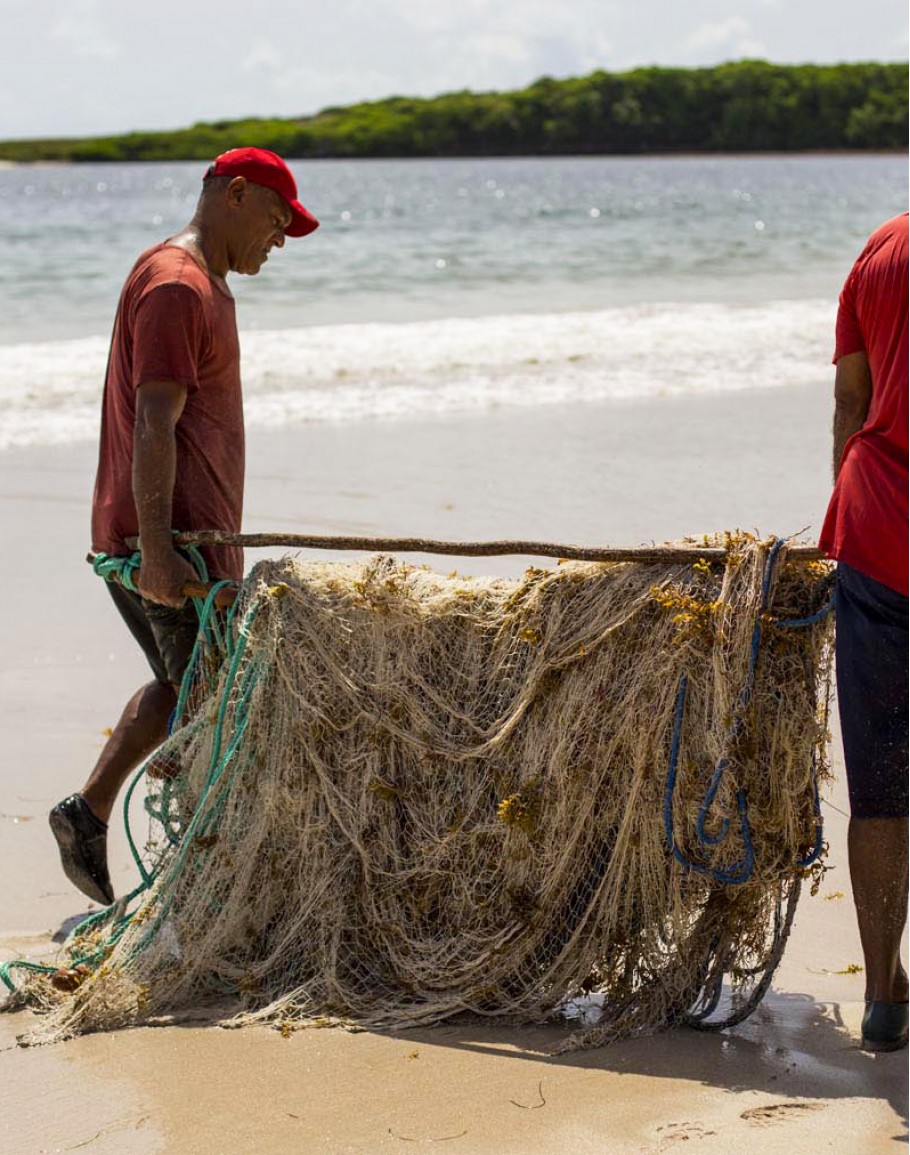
302, 221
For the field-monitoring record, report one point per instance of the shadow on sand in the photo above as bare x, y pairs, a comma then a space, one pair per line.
793, 1047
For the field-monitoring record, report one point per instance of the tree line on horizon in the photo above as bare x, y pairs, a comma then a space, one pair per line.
743, 106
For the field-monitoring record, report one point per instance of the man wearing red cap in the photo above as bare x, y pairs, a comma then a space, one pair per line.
172, 456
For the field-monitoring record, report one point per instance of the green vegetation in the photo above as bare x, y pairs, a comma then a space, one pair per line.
747, 106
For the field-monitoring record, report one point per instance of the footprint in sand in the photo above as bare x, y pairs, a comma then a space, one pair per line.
779, 1112
673, 1133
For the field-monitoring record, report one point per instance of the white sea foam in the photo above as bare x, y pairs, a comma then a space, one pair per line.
49, 393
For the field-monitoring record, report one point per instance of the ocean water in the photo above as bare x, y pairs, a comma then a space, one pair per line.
462, 285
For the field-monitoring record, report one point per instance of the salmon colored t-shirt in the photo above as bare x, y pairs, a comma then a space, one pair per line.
866, 522
174, 323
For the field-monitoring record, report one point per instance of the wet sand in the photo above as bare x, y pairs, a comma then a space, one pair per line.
615, 474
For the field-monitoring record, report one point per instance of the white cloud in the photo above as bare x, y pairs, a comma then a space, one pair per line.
81, 31
497, 46
900, 41
263, 55
598, 49
729, 38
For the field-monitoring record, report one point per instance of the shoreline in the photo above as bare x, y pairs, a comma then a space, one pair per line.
630, 156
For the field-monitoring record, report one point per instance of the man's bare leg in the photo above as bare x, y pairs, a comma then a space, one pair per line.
79, 823
141, 728
878, 871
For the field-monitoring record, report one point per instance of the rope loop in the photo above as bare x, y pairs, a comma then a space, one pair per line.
743, 870
118, 569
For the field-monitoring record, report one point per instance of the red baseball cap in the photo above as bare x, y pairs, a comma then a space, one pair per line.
267, 169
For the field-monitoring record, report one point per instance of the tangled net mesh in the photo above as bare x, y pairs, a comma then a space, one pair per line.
405, 797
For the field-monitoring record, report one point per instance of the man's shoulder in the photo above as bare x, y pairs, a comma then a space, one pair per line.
896, 228
166, 264
890, 238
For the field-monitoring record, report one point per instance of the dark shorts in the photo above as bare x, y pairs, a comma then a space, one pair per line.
166, 635
871, 654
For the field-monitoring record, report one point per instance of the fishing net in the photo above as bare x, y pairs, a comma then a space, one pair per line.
396, 797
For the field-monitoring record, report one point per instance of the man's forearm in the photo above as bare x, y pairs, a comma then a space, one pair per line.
154, 474
848, 419
164, 572
852, 398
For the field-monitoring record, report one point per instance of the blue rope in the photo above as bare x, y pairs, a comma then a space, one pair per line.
811, 620
816, 851
741, 871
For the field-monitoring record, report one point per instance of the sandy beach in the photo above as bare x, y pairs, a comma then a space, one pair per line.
611, 473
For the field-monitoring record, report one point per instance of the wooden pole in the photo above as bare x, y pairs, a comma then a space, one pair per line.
645, 553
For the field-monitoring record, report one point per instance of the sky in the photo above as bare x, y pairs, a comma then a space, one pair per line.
90, 67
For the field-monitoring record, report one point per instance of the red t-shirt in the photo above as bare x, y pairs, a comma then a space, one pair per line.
174, 324
866, 522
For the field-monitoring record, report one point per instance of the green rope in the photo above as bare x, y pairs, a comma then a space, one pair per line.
21, 964
211, 802
118, 569
124, 568
227, 642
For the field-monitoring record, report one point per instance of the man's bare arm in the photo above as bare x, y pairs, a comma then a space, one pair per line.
159, 405
852, 396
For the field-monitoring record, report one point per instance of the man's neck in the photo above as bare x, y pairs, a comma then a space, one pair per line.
198, 239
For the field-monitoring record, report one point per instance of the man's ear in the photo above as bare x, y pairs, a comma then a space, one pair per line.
237, 191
